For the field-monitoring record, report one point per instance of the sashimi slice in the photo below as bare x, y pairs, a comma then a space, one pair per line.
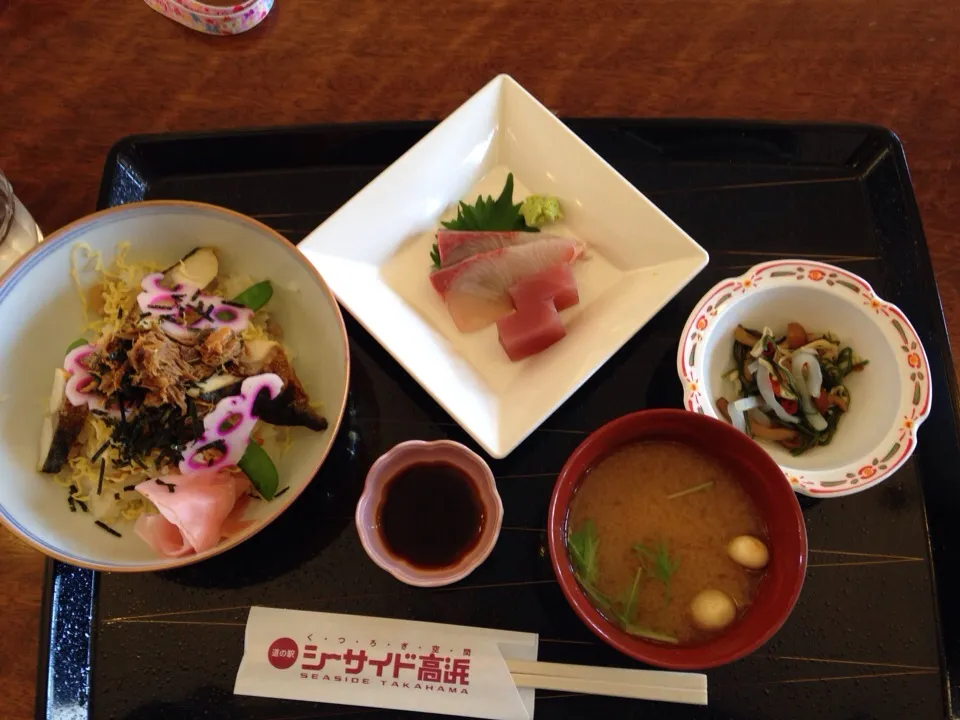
471, 313
530, 329
491, 274
198, 507
456, 245
555, 283
476, 289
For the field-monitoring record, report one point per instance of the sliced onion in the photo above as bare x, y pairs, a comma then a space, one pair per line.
758, 418
747, 403
752, 367
814, 378
738, 408
816, 420
738, 419
766, 390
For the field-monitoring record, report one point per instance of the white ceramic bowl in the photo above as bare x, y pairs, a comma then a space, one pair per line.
40, 315
889, 399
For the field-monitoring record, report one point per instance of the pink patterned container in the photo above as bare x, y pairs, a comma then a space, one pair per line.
415, 452
214, 19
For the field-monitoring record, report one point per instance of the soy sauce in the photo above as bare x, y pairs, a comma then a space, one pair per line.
431, 515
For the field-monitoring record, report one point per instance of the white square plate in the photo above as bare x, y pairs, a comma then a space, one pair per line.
374, 253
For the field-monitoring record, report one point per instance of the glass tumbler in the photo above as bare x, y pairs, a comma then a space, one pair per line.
18, 231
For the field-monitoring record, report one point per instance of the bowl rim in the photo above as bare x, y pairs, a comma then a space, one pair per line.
825, 278
388, 465
638, 648
65, 233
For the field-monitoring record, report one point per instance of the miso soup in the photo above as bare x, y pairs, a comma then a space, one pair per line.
648, 529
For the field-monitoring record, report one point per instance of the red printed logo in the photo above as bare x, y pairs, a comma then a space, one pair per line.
437, 672
283, 653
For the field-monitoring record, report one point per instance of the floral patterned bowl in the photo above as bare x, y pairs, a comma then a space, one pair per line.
889, 399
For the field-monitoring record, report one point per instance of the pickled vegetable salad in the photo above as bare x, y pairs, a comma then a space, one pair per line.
789, 389
163, 416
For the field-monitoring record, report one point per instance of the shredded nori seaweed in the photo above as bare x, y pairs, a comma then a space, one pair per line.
100, 451
103, 469
161, 429
107, 528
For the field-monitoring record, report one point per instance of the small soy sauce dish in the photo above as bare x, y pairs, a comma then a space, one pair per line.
429, 514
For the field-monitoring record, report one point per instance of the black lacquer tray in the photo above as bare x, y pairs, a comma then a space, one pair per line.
873, 635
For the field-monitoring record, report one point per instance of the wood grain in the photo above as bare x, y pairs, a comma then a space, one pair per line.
76, 75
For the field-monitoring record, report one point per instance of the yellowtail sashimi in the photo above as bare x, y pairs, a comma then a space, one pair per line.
454, 246
476, 290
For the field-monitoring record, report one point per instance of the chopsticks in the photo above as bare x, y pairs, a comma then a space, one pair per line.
679, 687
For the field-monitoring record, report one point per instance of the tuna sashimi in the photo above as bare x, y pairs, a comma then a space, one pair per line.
530, 329
476, 290
200, 509
555, 283
456, 245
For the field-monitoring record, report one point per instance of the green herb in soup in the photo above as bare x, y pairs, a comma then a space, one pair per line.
663, 567
649, 530
582, 546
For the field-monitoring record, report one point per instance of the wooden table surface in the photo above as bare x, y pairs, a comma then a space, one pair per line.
76, 75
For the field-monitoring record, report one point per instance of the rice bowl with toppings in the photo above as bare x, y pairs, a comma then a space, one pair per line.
199, 382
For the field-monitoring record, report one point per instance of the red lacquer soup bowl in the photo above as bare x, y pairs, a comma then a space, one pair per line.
772, 495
